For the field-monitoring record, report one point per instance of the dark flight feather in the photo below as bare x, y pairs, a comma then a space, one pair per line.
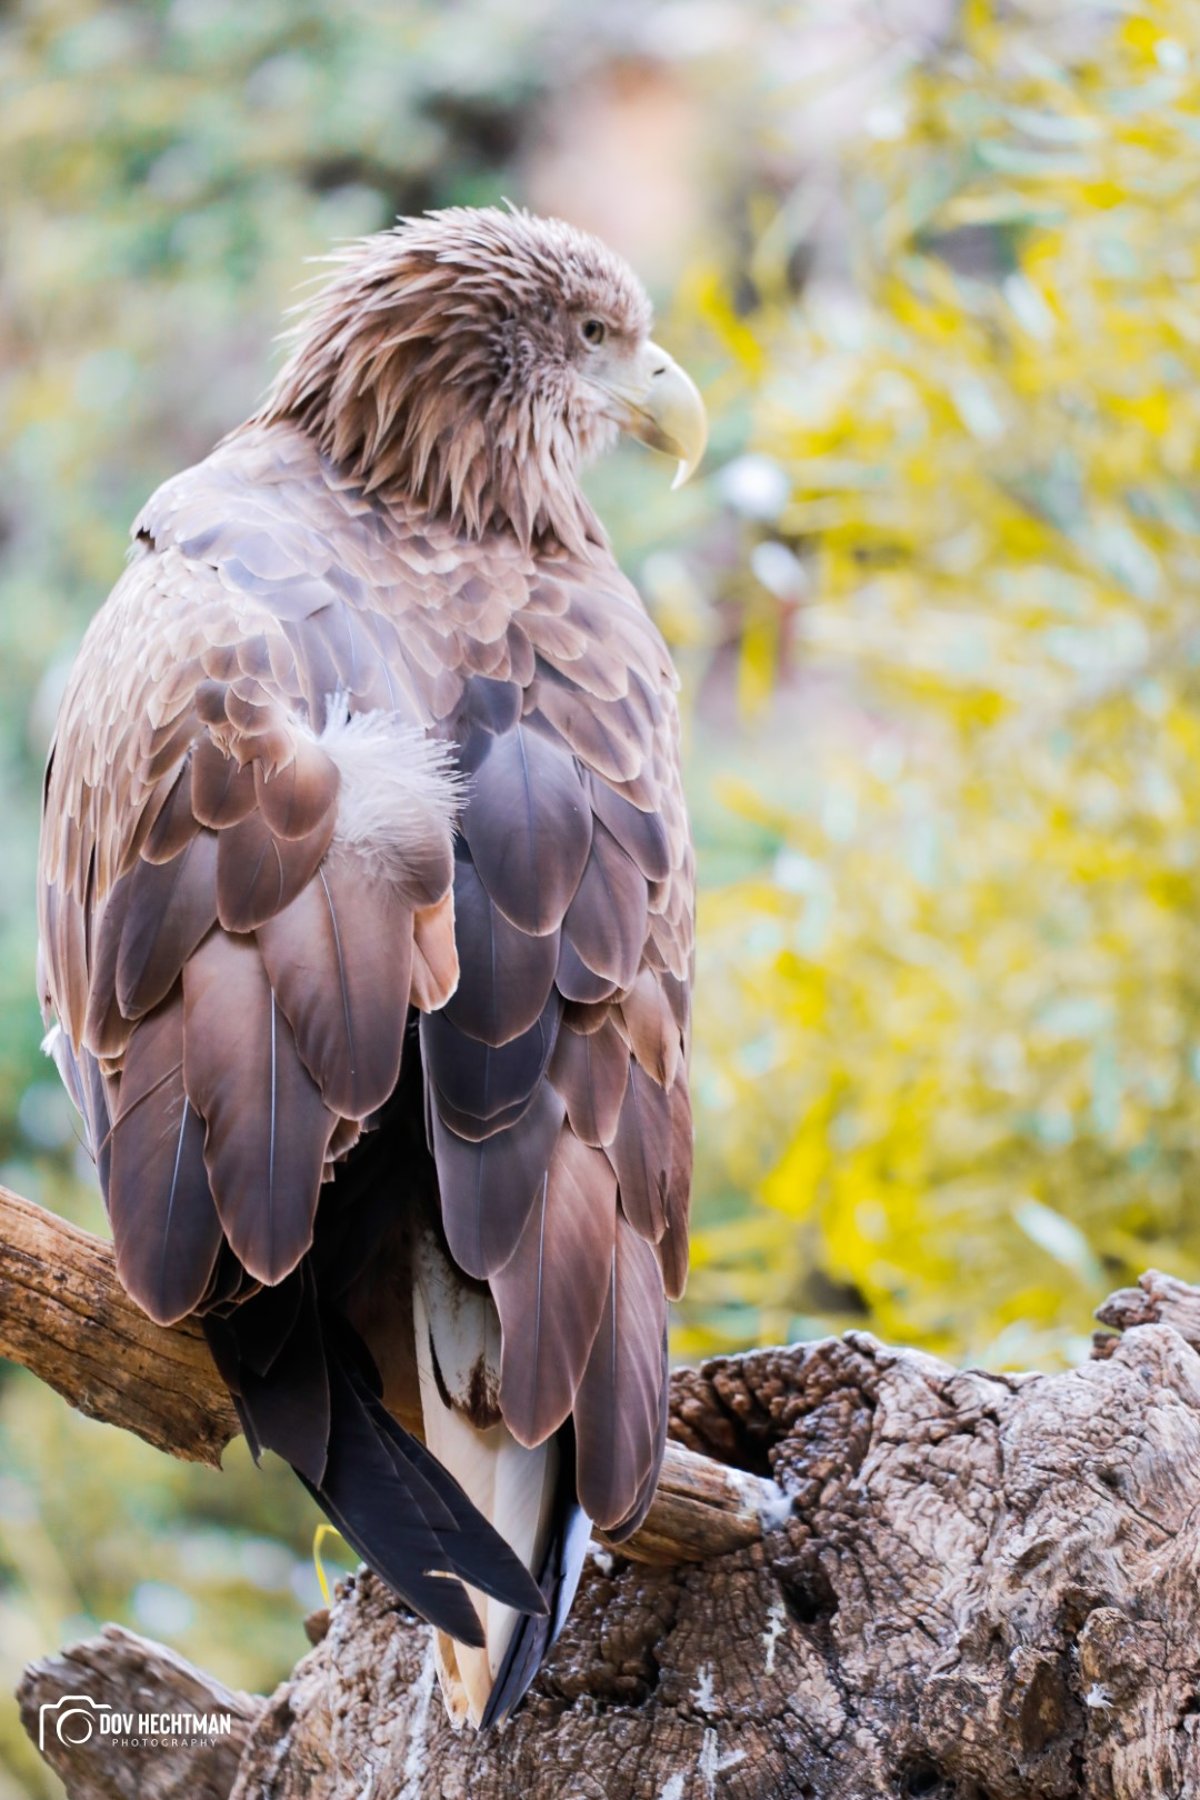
271, 1349
165, 1227
406, 1516
551, 1292
641, 1154
266, 1125
618, 1406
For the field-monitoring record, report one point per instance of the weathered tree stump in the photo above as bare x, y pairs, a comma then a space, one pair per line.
980, 1586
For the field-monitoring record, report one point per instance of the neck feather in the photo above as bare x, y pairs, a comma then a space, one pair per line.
415, 393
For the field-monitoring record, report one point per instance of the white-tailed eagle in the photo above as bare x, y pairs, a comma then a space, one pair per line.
366, 923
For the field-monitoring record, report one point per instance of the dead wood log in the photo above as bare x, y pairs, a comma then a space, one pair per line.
984, 1588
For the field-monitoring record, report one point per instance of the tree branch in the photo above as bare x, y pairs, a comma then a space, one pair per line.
65, 1316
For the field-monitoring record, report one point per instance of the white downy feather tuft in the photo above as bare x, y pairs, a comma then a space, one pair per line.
399, 787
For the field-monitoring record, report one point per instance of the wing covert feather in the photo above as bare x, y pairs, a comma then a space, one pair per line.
591, 1072
605, 923
488, 1187
505, 974
171, 907
528, 826
339, 959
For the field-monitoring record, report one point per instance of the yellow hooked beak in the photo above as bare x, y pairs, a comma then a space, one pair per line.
663, 408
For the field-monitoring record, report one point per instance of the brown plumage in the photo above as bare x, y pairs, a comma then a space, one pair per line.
373, 731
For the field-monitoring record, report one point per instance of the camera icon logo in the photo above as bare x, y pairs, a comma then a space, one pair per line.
71, 1719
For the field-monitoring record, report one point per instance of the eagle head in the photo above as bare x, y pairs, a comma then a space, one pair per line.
472, 361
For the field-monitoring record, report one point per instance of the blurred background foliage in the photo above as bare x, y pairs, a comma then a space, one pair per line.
936, 266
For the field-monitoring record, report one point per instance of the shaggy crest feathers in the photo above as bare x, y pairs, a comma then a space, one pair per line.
437, 364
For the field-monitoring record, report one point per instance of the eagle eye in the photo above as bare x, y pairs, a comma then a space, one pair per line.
594, 332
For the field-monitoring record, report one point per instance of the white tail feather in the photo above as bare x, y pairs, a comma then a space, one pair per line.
458, 1340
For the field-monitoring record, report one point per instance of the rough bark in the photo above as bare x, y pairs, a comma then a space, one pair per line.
985, 1588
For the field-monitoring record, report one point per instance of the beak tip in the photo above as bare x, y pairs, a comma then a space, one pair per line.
668, 414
